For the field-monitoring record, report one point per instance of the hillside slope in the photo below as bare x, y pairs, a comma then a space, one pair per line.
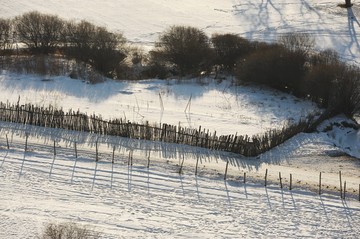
142, 20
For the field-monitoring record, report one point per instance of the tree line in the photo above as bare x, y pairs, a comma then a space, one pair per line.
49, 34
290, 64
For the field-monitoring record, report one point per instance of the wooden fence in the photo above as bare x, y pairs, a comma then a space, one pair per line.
75, 120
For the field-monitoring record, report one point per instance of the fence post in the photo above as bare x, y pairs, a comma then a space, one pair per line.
290, 182
181, 166
197, 162
76, 154
266, 173
340, 184
148, 164
320, 183
226, 169
359, 192
54, 148
344, 190
281, 185
113, 155
130, 163
244, 177
26, 141
97, 152
7, 142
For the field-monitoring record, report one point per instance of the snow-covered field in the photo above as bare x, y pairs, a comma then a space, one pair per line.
331, 26
137, 202
124, 201
192, 103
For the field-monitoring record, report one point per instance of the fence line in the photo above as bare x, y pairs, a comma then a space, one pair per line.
75, 120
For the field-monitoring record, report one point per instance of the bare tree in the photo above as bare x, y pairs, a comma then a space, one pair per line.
80, 35
228, 49
5, 34
187, 48
95, 45
39, 31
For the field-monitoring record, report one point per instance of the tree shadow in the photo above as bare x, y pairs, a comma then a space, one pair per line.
352, 24
267, 19
61, 86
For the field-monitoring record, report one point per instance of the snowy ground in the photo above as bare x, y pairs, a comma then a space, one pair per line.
192, 103
136, 202
122, 201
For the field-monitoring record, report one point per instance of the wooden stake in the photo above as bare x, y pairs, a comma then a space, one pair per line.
113, 155
290, 182
244, 177
266, 173
344, 190
54, 148
226, 169
359, 192
130, 163
131, 157
281, 185
148, 164
7, 142
97, 152
197, 163
340, 184
320, 183
26, 142
181, 166
76, 154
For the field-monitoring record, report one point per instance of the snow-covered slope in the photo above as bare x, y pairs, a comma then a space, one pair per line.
142, 20
124, 201
135, 202
192, 103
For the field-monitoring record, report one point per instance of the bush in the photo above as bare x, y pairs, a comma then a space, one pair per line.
275, 66
68, 231
325, 68
228, 49
333, 84
318, 83
132, 67
156, 70
345, 97
187, 48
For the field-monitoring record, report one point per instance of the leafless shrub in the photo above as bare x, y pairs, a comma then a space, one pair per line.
68, 231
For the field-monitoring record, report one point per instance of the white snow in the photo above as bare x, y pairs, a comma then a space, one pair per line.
223, 107
136, 202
